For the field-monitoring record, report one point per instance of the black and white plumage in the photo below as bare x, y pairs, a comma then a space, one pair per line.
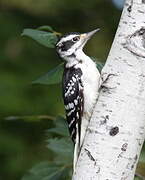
80, 85
73, 100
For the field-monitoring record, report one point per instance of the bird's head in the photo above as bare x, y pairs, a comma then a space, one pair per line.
71, 43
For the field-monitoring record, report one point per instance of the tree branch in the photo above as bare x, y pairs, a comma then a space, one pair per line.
117, 128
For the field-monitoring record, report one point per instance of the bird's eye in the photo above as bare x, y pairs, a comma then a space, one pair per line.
75, 39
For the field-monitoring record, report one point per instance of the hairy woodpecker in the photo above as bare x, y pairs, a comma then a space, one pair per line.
80, 85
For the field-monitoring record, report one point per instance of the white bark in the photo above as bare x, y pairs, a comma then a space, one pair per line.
117, 128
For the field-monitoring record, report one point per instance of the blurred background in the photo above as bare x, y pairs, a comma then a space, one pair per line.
24, 108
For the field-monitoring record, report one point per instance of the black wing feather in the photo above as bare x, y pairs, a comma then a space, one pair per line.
73, 100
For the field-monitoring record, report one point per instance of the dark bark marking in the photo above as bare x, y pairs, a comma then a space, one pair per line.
143, 1
126, 62
124, 147
89, 130
138, 37
107, 117
124, 22
141, 75
104, 105
104, 119
107, 78
98, 170
129, 9
132, 162
104, 87
141, 11
139, 141
89, 155
141, 31
114, 131
135, 159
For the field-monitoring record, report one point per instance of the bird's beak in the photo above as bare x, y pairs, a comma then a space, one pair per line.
86, 36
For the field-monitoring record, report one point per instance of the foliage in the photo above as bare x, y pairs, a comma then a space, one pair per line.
60, 144
47, 39
47, 171
54, 76
62, 152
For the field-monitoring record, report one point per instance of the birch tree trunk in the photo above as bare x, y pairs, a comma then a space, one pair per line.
117, 128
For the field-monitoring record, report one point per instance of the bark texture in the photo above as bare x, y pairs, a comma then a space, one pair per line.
117, 128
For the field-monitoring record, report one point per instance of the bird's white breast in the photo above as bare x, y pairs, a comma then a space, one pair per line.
90, 80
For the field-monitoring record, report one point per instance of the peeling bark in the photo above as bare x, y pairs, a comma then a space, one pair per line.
116, 131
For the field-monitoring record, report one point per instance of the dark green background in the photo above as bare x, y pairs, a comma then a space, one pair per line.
22, 139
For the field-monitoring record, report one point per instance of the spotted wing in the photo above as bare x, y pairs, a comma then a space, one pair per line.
73, 100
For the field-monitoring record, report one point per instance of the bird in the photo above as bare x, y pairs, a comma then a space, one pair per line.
80, 85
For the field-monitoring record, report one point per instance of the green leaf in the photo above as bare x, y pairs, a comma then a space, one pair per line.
30, 118
61, 146
46, 28
140, 170
47, 39
52, 77
142, 155
60, 128
47, 171
49, 29
57, 175
41, 167
139, 177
